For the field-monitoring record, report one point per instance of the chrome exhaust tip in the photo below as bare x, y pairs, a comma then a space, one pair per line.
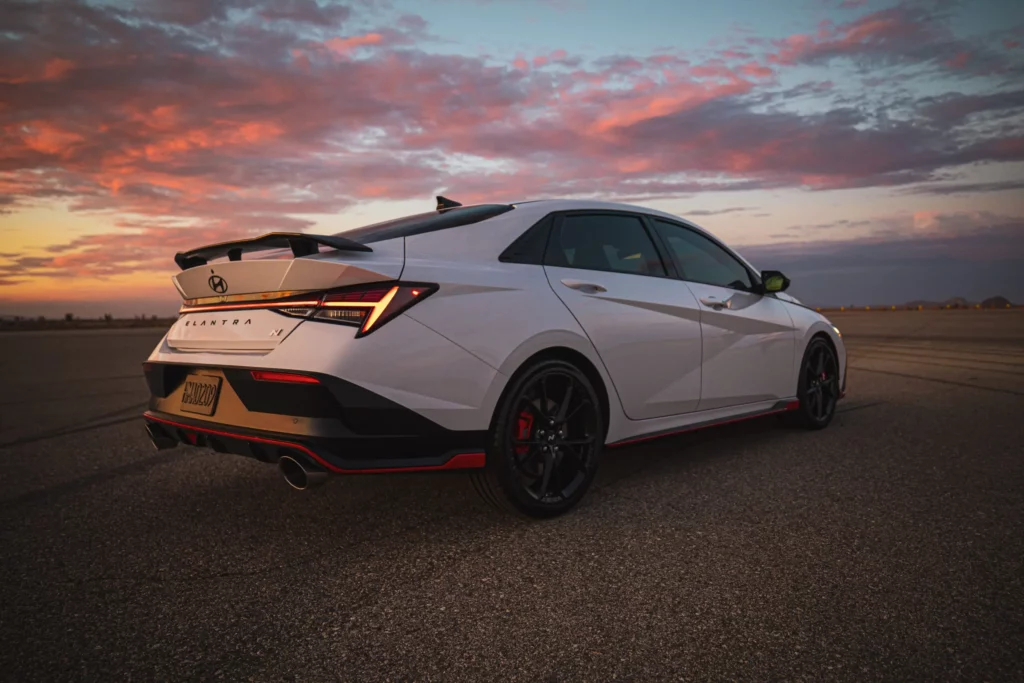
300, 477
160, 440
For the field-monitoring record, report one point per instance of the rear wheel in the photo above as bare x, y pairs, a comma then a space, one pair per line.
545, 444
818, 389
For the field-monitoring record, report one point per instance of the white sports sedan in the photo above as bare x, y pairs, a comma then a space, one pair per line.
514, 341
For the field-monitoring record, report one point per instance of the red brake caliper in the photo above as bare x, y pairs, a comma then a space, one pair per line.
525, 427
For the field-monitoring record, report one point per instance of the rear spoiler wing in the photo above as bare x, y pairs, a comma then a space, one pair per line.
300, 243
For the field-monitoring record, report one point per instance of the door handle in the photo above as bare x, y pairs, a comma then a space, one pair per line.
589, 287
714, 303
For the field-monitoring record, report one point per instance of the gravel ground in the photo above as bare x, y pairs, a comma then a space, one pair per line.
887, 547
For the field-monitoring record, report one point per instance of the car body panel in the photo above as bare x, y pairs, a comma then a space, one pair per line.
748, 347
647, 331
278, 271
400, 362
231, 331
665, 361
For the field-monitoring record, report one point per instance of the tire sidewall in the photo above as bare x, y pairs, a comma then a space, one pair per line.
500, 460
805, 406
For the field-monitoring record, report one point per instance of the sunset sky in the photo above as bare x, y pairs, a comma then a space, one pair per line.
872, 150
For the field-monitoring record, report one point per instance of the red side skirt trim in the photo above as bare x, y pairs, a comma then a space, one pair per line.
792, 405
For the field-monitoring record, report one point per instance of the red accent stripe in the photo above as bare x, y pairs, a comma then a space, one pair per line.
461, 461
792, 405
371, 295
294, 378
210, 308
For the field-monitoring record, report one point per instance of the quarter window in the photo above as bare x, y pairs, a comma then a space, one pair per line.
701, 260
605, 242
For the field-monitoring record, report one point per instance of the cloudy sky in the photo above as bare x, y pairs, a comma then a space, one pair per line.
874, 150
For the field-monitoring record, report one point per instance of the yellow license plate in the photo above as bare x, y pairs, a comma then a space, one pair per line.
200, 394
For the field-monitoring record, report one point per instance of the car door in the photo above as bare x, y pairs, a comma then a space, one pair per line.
748, 337
645, 325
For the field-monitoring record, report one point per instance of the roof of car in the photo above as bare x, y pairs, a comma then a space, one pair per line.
582, 204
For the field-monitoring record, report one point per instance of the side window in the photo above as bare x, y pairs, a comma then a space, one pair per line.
701, 260
604, 242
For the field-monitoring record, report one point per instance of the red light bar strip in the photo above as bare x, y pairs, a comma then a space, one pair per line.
236, 307
290, 377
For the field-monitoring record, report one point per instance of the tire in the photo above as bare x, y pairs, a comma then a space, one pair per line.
545, 443
817, 388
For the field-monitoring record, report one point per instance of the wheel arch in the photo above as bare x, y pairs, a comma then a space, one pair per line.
822, 334
568, 355
823, 331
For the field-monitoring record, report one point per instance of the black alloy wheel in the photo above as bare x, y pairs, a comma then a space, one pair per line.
545, 443
818, 390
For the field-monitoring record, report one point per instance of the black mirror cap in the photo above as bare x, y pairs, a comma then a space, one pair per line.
774, 281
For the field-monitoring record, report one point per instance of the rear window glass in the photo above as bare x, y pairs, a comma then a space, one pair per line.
425, 222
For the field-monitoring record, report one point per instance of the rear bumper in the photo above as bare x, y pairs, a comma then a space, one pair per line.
326, 454
328, 423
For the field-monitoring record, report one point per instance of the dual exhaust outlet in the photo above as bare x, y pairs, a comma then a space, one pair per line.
299, 475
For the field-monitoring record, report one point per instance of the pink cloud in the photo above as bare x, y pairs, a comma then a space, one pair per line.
194, 141
343, 46
885, 33
959, 61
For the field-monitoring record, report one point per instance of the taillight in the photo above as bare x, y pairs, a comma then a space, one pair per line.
366, 307
288, 377
370, 307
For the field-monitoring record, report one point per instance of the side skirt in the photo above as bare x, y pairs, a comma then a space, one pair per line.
779, 407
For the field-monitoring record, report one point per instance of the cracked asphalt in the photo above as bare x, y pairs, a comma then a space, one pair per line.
887, 547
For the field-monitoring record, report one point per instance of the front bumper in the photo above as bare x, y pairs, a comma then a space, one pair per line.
331, 424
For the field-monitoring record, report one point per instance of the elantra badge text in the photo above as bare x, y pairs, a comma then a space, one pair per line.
224, 323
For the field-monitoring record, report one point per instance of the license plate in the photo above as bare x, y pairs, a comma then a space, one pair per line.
200, 394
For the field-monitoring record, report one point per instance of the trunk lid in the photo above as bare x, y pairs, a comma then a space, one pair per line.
272, 275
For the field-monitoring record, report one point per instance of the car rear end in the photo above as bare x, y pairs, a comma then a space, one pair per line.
310, 358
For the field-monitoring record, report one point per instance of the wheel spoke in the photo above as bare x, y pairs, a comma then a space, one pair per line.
572, 453
564, 406
579, 406
549, 461
528, 457
530, 404
544, 396
552, 462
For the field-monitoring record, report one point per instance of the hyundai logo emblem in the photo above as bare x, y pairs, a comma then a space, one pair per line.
218, 284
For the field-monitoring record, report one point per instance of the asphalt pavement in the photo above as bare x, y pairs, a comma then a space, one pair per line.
887, 547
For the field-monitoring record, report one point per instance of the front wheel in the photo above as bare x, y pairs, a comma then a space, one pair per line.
545, 443
818, 388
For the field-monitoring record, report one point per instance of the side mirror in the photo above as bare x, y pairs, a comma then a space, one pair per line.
774, 281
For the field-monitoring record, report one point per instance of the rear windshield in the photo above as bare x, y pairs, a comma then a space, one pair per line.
425, 222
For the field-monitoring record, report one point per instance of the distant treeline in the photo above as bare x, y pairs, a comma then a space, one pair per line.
69, 322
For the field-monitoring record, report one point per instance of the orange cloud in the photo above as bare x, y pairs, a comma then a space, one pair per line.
263, 126
47, 138
343, 46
